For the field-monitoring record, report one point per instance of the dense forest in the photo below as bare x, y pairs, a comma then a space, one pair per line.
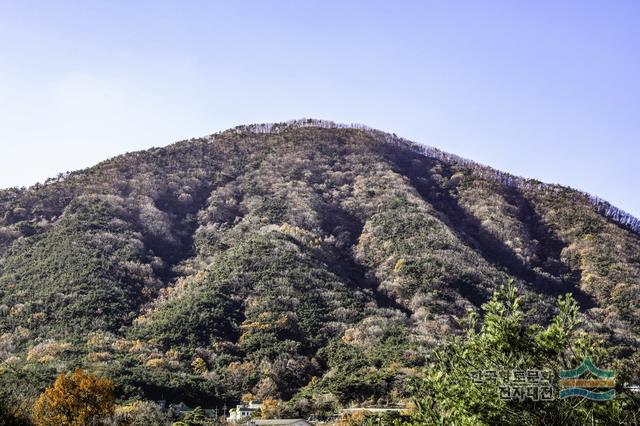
316, 266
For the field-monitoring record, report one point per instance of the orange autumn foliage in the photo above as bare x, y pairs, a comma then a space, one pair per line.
269, 408
75, 399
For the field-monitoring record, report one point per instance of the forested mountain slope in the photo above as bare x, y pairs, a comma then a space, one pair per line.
290, 260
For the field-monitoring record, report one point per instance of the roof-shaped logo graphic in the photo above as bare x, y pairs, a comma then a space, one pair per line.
572, 385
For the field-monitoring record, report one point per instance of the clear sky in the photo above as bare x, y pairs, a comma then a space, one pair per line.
543, 89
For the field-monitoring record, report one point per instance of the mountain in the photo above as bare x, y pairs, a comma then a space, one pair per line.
288, 259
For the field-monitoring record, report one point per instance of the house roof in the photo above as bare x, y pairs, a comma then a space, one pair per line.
243, 408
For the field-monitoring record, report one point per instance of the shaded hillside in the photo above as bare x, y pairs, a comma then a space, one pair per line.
265, 259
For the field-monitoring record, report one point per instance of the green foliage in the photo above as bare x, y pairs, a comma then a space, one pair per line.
9, 416
366, 374
141, 413
449, 393
73, 276
308, 263
194, 417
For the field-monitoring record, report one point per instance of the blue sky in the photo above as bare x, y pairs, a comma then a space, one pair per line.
548, 90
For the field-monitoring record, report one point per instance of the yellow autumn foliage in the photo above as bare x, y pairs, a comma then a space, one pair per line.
269, 408
155, 363
74, 399
399, 265
199, 366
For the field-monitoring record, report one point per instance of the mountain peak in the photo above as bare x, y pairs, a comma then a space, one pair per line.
247, 261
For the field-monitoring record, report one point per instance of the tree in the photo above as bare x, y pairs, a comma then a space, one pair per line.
12, 411
75, 399
450, 392
195, 417
9, 416
269, 408
199, 366
141, 413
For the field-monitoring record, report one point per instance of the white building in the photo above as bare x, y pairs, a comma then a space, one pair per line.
241, 411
